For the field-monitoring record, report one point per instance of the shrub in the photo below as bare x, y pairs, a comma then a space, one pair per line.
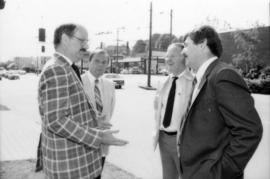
261, 86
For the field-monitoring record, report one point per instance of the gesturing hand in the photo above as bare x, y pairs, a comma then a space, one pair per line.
109, 139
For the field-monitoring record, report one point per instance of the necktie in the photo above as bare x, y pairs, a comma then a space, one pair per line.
77, 71
170, 103
99, 105
194, 82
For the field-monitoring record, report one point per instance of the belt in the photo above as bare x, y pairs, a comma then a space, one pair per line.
169, 133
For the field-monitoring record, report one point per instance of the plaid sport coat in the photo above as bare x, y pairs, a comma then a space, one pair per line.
70, 141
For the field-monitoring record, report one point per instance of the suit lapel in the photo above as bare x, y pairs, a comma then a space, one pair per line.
202, 83
204, 80
62, 59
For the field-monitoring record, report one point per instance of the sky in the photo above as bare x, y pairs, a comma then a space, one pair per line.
20, 20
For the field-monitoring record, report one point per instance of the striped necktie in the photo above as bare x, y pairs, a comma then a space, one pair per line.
99, 105
194, 82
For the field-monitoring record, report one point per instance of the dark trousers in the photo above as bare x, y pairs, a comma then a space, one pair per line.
39, 163
102, 162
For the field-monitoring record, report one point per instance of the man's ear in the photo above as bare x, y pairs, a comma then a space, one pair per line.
204, 44
64, 39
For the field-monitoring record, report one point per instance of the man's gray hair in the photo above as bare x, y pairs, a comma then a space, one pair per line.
177, 44
99, 51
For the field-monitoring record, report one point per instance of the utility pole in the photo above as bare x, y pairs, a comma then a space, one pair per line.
171, 16
117, 39
111, 64
150, 49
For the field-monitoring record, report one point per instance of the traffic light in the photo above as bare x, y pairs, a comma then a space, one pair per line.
42, 48
41, 35
2, 4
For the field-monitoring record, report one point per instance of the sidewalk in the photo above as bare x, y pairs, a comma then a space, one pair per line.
24, 169
20, 130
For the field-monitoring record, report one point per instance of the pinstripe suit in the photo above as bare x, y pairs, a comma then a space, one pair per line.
70, 144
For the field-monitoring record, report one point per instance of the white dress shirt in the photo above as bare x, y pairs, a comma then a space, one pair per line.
176, 114
107, 93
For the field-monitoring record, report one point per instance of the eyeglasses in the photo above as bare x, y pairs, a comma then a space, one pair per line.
80, 39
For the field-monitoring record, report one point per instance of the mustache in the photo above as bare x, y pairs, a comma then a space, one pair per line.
83, 50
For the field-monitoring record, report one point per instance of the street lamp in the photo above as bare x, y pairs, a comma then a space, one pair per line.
102, 45
171, 17
150, 50
117, 44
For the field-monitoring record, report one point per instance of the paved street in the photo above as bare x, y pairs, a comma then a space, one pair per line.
133, 116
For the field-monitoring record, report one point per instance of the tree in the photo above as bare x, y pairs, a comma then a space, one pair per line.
164, 41
181, 39
155, 38
127, 49
246, 41
139, 47
175, 40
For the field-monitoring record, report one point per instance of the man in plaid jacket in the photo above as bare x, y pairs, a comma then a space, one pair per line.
70, 138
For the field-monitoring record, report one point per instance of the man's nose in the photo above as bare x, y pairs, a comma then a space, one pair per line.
183, 52
167, 59
86, 46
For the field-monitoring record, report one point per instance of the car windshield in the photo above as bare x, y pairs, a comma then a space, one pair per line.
112, 76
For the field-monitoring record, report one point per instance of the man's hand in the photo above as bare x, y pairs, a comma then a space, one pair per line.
109, 139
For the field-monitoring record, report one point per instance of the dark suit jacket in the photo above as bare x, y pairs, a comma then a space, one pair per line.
222, 129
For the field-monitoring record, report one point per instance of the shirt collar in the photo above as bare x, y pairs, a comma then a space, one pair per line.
203, 68
92, 78
185, 73
66, 58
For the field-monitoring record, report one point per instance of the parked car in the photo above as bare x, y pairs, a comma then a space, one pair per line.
164, 72
116, 78
11, 76
124, 71
21, 72
2, 72
135, 70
